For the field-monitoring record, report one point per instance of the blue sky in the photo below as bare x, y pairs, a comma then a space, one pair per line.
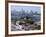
19, 8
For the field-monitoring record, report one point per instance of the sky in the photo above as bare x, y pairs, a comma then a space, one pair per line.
29, 8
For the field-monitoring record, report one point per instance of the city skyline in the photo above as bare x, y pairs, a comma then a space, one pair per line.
25, 8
